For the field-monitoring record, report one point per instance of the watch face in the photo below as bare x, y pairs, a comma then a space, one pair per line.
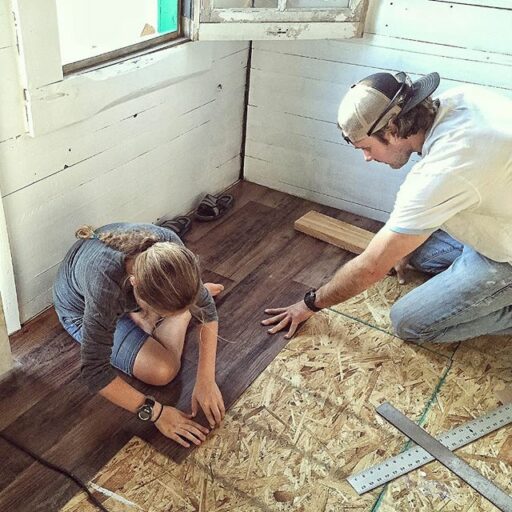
144, 413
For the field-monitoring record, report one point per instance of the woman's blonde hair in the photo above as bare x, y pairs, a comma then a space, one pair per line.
167, 275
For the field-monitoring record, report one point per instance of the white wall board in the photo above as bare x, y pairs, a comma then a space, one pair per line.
143, 138
293, 143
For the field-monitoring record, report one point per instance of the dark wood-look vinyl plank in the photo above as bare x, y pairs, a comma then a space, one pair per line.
41, 329
242, 192
249, 348
233, 236
46, 368
37, 489
262, 262
13, 463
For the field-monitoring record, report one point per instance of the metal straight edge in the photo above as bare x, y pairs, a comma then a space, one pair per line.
487, 489
415, 457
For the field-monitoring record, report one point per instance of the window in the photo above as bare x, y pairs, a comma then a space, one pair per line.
280, 19
92, 32
95, 31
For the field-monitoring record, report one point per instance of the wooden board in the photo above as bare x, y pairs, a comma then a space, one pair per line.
334, 231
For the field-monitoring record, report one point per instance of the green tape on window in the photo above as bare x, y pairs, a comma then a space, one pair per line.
167, 16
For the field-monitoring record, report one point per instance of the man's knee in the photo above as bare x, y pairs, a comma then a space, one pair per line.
407, 327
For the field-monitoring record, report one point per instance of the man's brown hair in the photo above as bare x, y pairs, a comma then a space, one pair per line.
419, 118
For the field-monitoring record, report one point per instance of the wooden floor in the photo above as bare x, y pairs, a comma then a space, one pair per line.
304, 424
261, 260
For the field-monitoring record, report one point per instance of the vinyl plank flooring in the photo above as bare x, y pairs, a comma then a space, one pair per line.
45, 369
262, 262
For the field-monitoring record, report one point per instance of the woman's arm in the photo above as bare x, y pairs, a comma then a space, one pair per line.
173, 423
206, 393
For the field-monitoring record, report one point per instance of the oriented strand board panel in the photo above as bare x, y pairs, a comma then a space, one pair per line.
334, 231
309, 421
305, 424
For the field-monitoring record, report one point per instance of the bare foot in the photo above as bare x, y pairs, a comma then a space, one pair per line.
145, 320
214, 288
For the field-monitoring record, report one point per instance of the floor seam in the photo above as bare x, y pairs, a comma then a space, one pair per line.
380, 329
420, 422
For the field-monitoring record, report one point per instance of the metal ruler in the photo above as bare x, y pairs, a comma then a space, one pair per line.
416, 457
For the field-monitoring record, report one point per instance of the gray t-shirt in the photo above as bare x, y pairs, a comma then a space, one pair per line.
92, 292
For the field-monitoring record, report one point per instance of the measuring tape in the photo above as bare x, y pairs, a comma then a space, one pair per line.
416, 457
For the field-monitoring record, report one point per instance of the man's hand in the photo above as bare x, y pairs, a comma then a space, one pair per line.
293, 315
207, 395
401, 268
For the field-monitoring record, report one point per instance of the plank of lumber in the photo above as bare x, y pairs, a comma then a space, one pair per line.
334, 231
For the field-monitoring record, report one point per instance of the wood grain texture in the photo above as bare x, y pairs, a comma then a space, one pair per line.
336, 232
261, 260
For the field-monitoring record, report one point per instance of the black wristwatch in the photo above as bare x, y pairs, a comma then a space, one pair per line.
145, 411
309, 300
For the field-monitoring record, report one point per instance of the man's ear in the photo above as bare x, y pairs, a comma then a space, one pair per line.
392, 128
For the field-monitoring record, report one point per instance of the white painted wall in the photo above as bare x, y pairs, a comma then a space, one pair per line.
136, 158
293, 143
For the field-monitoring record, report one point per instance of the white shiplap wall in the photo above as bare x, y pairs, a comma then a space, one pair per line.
146, 155
293, 143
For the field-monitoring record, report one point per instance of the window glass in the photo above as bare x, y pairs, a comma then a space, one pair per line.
88, 28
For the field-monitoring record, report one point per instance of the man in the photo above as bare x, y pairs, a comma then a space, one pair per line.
452, 217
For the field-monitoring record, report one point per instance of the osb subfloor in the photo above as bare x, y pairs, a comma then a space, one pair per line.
308, 422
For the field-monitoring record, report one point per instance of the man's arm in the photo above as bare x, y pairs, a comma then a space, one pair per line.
385, 250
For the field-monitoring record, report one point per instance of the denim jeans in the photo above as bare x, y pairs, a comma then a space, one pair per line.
469, 295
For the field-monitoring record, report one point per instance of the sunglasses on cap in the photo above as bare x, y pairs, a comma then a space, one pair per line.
401, 96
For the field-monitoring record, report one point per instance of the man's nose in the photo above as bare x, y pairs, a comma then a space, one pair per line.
367, 156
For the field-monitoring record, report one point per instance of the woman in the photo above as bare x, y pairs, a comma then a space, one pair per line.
126, 293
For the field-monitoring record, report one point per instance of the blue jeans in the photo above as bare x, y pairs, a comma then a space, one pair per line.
469, 295
128, 340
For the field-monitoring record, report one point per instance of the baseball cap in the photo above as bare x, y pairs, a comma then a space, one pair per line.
371, 103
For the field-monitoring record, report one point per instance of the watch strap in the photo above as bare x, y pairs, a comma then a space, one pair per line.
309, 300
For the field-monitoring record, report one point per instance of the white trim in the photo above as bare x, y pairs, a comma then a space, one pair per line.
281, 23
38, 40
277, 16
9, 297
5, 347
81, 96
276, 31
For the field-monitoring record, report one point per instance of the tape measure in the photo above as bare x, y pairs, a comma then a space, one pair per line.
416, 457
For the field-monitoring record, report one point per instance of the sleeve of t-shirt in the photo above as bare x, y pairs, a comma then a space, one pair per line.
207, 306
426, 201
103, 307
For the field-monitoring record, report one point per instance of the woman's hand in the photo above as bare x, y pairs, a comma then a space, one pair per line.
293, 316
207, 395
178, 426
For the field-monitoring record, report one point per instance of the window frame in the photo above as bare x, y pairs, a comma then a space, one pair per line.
53, 99
278, 23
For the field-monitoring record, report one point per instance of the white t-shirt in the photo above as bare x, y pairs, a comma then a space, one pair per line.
463, 184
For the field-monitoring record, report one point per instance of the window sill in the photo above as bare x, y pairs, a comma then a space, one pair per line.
117, 56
